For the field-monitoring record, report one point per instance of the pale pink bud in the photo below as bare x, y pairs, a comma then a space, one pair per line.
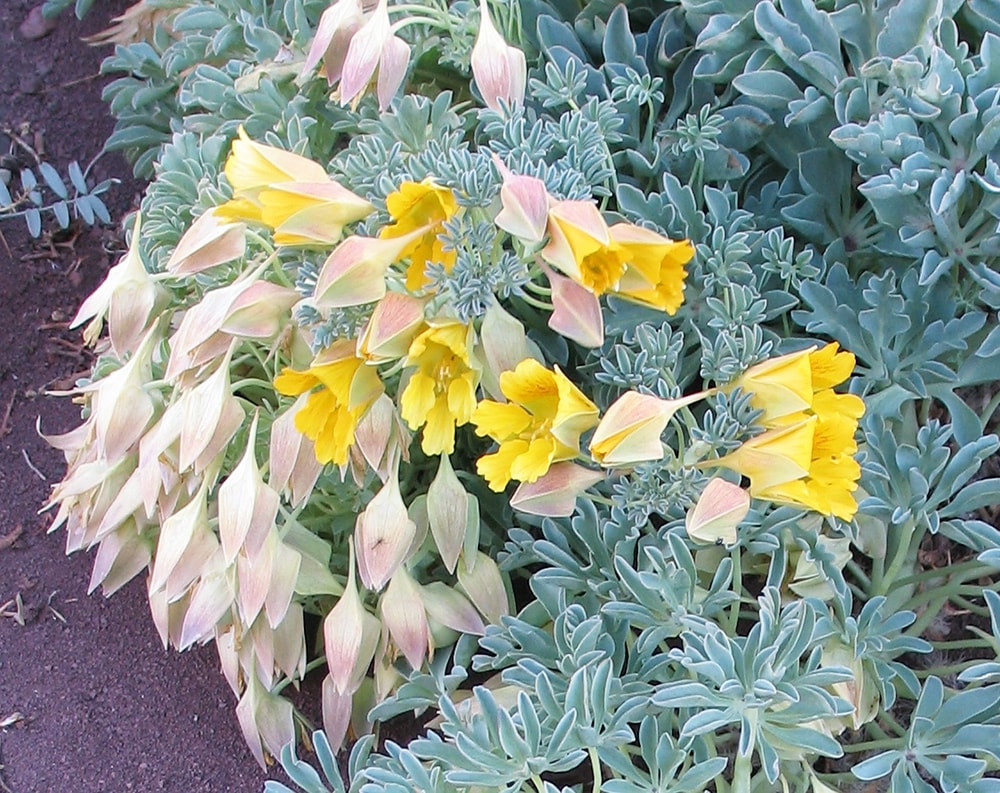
484, 586
121, 555
266, 721
229, 659
168, 615
373, 433
391, 329
721, 508
284, 573
293, 468
554, 494
176, 535
260, 311
500, 71
383, 535
630, 430
450, 608
202, 323
121, 405
391, 70
128, 297
448, 513
337, 709
211, 600
253, 572
350, 636
576, 312
354, 273
290, 643
525, 205
374, 47
403, 615
207, 243
209, 410
127, 503
337, 27
247, 506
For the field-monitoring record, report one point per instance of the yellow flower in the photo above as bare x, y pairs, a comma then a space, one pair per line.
634, 262
655, 273
424, 207
331, 414
581, 246
788, 384
539, 425
441, 394
290, 193
806, 456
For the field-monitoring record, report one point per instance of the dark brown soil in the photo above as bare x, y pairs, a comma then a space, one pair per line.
90, 702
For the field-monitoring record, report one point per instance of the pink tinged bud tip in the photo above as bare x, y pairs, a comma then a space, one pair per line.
554, 495
721, 508
499, 70
576, 312
525, 205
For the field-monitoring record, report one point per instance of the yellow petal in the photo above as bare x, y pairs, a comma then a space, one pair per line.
500, 420
495, 468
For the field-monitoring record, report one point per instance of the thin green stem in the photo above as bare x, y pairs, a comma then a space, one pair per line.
906, 549
734, 611
595, 768
962, 571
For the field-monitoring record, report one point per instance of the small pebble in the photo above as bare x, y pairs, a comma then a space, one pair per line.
36, 26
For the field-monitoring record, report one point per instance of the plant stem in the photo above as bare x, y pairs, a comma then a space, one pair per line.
595, 767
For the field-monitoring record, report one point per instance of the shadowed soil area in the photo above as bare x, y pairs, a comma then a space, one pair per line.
90, 702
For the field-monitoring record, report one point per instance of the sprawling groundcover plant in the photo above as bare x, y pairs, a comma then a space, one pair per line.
633, 362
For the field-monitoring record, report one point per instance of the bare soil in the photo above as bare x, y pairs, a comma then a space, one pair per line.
90, 701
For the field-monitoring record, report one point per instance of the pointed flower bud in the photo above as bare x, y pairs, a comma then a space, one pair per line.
390, 331
207, 408
374, 46
247, 506
450, 608
721, 508
337, 27
122, 407
484, 586
354, 273
293, 467
350, 636
448, 513
525, 205
260, 311
207, 243
630, 431
128, 298
500, 71
383, 535
576, 312
403, 616
554, 495
266, 721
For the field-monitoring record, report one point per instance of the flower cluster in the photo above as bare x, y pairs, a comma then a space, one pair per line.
341, 394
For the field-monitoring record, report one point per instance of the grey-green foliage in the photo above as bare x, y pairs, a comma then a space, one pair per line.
52, 8
951, 741
211, 68
42, 191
